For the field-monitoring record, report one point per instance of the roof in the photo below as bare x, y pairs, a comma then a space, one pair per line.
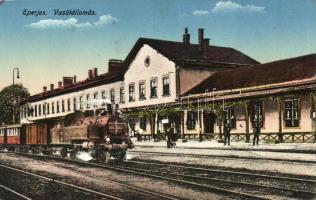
114, 75
180, 52
292, 69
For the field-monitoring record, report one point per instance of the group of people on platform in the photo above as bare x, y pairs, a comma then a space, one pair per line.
227, 118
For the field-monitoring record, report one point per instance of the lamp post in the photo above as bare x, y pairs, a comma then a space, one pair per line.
17, 76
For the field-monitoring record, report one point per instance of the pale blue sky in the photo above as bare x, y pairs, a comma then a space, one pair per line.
59, 46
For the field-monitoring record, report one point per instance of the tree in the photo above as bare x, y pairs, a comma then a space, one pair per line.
11, 99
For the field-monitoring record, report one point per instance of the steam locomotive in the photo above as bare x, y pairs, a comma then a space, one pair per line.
96, 137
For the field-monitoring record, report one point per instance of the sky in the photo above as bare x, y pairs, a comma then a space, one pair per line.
49, 46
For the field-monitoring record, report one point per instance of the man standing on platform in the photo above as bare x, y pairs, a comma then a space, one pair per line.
257, 124
227, 127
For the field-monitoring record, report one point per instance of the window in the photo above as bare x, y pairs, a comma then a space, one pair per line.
165, 86
81, 102
95, 97
147, 61
62, 105
53, 107
87, 98
44, 108
39, 110
191, 121
68, 105
74, 103
25, 112
257, 113
230, 117
57, 107
291, 112
122, 95
142, 89
112, 95
103, 95
30, 112
153, 88
47, 109
142, 123
131, 92
35, 110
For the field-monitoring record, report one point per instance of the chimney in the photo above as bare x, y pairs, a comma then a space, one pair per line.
201, 38
75, 79
67, 81
114, 65
95, 72
89, 74
186, 36
51, 86
60, 84
44, 89
206, 43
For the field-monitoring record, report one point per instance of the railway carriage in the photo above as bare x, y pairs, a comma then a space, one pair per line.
11, 136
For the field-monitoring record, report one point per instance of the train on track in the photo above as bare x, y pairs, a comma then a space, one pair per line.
100, 137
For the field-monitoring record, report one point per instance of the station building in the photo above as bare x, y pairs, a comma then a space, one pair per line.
186, 85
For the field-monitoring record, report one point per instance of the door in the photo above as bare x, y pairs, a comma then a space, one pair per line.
209, 122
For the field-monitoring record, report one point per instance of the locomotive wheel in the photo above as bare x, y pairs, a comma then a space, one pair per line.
73, 153
122, 156
101, 156
64, 152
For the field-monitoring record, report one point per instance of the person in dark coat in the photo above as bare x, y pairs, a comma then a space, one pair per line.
256, 133
170, 135
227, 128
257, 125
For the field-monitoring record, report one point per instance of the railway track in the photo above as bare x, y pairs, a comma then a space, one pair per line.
239, 185
275, 186
222, 156
93, 193
191, 184
12, 194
